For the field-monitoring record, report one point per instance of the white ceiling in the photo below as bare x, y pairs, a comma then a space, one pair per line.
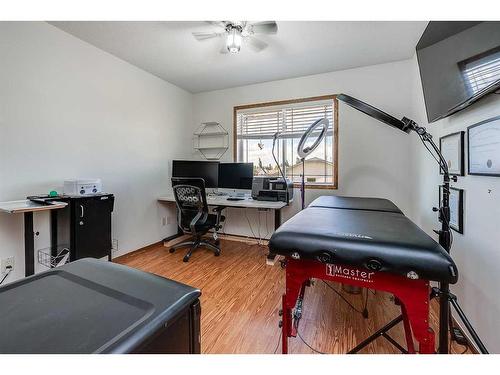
169, 51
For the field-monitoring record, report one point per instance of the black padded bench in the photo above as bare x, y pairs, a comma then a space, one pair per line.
367, 232
92, 306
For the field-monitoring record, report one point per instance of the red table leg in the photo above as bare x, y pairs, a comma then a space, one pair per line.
413, 294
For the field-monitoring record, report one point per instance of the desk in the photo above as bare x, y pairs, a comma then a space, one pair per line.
221, 201
27, 208
247, 202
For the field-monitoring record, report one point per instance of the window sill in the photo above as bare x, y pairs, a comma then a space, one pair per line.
317, 186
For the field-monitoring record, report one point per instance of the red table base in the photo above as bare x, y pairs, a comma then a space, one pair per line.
413, 294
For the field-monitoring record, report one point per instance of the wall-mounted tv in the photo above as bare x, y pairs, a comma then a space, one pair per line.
459, 63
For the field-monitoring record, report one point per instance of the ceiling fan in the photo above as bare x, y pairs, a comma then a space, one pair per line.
236, 32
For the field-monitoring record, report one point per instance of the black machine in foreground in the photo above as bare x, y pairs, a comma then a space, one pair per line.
367, 242
92, 306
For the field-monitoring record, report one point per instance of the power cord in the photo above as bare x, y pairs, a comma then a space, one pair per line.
296, 325
309, 346
363, 312
278, 344
7, 273
259, 240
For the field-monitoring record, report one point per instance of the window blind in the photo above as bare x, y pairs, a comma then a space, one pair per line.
481, 73
291, 122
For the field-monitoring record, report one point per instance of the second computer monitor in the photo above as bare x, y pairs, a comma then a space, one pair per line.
236, 176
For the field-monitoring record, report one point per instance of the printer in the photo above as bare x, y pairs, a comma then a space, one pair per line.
266, 188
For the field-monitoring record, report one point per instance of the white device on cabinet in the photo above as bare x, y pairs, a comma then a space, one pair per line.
82, 187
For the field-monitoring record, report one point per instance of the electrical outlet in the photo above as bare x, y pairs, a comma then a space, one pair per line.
163, 221
6, 262
114, 244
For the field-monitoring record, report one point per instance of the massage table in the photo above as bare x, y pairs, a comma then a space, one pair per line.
364, 242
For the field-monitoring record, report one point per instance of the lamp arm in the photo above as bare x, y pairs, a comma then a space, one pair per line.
426, 137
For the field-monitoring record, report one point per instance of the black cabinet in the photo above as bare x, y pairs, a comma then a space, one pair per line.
84, 225
90, 233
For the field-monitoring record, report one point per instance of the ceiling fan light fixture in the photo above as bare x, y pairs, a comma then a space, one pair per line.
233, 41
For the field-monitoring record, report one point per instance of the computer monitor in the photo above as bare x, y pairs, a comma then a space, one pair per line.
236, 176
208, 170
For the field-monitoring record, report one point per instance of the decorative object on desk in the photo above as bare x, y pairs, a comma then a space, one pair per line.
483, 141
211, 140
452, 148
456, 208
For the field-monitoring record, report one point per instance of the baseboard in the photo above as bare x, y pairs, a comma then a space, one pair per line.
246, 239
148, 247
176, 239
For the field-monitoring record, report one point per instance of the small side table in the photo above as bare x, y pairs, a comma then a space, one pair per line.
27, 208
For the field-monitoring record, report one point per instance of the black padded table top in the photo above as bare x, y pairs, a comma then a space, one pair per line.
88, 306
364, 238
355, 203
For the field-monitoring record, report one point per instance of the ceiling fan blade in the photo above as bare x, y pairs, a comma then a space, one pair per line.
256, 44
265, 27
205, 35
221, 24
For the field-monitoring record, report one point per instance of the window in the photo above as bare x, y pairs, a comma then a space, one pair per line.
254, 129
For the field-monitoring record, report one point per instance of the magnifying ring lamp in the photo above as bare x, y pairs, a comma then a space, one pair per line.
303, 152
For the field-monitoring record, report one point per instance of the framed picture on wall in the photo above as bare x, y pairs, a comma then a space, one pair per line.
483, 139
456, 208
452, 148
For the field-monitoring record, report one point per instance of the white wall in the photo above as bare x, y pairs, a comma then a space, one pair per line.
477, 251
68, 109
373, 158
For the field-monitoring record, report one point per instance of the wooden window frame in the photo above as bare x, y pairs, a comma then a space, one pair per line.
335, 142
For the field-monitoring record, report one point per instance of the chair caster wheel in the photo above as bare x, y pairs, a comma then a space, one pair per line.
171, 250
217, 254
185, 259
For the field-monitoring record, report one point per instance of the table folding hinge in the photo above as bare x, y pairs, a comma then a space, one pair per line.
436, 292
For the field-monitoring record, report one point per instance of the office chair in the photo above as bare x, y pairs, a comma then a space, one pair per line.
193, 215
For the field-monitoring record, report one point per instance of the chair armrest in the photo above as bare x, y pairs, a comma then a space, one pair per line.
193, 222
218, 210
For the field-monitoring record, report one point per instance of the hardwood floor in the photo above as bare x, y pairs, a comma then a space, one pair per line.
241, 296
